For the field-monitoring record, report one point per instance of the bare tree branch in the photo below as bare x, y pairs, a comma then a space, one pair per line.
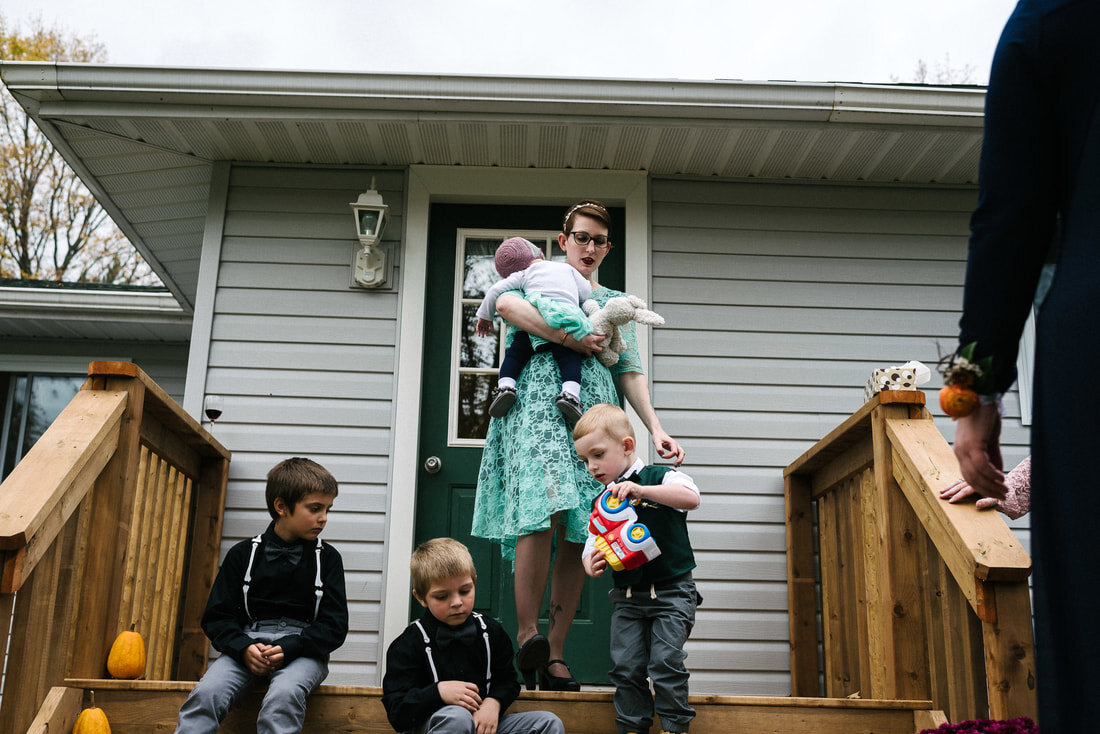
51, 227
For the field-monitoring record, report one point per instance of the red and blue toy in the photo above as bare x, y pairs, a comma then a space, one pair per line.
624, 542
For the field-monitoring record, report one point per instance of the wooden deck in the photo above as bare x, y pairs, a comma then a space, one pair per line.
141, 707
924, 605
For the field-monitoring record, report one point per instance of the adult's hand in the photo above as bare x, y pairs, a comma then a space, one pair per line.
668, 447
636, 390
978, 449
588, 346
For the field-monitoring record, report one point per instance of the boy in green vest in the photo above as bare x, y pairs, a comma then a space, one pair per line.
654, 604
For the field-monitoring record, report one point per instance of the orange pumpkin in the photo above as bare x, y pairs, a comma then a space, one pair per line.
127, 656
958, 401
92, 721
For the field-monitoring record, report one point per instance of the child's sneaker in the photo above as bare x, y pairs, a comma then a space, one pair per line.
503, 398
569, 406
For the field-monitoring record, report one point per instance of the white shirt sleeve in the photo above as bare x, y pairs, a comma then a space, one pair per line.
488, 308
674, 476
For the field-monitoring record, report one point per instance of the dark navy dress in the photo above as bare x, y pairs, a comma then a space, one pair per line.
1040, 189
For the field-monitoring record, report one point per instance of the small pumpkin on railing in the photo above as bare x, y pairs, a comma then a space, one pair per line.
127, 656
92, 720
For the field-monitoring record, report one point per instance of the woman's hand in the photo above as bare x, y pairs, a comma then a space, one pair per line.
484, 327
588, 346
668, 447
636, 390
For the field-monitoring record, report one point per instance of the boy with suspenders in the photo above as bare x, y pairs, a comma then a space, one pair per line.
451, 672
277, 608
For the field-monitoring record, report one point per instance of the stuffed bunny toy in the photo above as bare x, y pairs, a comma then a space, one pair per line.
616, 312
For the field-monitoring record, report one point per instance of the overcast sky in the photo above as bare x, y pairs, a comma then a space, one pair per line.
801, 40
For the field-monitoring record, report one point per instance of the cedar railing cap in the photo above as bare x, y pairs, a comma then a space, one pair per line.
854, 428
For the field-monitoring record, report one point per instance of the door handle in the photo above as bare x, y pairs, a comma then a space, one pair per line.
432, 465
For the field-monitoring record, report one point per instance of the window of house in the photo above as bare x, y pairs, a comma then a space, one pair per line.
31, 402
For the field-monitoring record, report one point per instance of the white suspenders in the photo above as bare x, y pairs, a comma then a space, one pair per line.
484, 636
317, 585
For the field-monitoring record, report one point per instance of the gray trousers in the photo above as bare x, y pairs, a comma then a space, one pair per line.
284, 706
457, 720
647, 641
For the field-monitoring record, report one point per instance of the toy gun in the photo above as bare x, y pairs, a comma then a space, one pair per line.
624, 542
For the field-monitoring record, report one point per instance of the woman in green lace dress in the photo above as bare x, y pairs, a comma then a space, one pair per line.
531, 486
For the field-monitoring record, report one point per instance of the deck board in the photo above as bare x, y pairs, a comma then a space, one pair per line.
144, 706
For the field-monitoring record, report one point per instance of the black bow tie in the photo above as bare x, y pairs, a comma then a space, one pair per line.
274, 553
444, 636
631, 477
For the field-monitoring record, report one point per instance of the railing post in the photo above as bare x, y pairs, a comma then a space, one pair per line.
801, 598
1010, 653
108, 532
895, 607
206, 533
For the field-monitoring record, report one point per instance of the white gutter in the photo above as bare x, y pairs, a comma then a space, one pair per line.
95, 305
62, 88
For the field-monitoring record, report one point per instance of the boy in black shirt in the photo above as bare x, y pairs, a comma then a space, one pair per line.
451, 672
277, 609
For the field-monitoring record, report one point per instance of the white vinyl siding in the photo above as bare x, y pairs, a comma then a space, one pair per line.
306, 366
780, 299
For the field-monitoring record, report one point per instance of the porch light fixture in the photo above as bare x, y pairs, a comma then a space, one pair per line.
371, 213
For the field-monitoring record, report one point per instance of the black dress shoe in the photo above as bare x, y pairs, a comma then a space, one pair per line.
532, 657
502, 400
570, 407
548, 682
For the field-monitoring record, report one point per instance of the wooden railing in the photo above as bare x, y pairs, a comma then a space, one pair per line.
919, 599
112, 521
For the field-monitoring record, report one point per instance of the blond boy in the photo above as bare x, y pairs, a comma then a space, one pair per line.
654, 604
451, 672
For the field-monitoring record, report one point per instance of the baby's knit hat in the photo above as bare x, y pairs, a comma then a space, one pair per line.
515, 254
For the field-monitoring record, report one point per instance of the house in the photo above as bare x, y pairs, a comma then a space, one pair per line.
794, 236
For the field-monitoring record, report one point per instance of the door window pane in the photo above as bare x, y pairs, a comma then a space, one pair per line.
475, 360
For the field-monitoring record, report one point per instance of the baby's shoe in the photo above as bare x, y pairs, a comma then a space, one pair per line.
503, 398
569, 406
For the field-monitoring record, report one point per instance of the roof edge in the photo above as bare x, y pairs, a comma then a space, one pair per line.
72, 83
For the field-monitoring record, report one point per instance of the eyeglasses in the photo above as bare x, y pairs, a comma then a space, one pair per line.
583, 238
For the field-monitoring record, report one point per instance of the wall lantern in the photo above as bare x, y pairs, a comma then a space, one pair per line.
371, 213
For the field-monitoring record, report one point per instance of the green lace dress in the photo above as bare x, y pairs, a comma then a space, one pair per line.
529, 468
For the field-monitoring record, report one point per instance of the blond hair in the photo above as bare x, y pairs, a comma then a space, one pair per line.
611, 419
438, 559
292, 479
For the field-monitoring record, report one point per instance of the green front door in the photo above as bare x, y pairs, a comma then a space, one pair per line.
459, 372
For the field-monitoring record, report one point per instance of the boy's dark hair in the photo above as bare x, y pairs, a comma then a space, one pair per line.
292, 479
438, 559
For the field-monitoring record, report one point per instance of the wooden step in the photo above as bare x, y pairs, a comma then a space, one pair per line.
140, 707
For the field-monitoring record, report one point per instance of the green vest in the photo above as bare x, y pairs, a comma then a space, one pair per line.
668, 526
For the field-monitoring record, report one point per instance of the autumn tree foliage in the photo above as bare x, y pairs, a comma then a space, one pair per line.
51, 227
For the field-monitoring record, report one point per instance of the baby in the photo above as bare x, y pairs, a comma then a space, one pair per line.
558, 291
